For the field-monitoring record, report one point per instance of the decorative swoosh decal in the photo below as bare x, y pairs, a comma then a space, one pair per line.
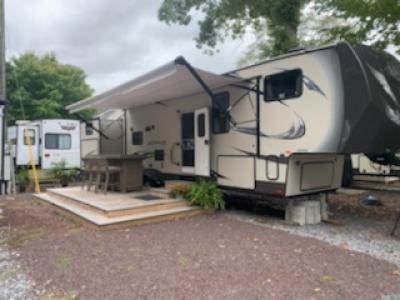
281, 159
311, 85
217, 175
296, 130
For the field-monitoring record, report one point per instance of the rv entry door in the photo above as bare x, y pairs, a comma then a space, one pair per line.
202, 142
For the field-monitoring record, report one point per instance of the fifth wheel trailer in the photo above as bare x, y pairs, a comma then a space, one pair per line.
280, 127
45, 142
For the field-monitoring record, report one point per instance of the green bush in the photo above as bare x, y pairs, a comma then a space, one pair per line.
207, 195
22, 176
59, 172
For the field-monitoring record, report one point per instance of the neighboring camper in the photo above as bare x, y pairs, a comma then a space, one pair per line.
377, 166
280, 127
45, 142
104, 134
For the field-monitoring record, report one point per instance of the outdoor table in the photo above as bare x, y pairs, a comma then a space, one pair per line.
131, 165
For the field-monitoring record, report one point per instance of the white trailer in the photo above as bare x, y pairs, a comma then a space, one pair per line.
45, 142
280, 127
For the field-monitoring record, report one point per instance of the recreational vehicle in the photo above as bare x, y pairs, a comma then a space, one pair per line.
105, 134
376, 165
279, 127
45, 142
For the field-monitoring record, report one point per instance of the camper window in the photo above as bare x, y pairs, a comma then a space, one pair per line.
284, 85
220, 115
55, 141
89, 128
29, 137
137, 138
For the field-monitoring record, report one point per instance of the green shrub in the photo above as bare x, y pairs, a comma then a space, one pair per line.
22, 176
59, 172
207, 195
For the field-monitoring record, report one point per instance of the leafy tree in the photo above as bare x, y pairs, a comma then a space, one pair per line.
376, 22
41, 87
277, 18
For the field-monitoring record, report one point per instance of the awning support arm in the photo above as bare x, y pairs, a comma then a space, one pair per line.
87, 123
182, 61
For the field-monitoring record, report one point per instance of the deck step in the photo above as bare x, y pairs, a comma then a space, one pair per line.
126, 210
102, 221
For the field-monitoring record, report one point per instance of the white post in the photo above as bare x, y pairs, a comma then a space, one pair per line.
2, 97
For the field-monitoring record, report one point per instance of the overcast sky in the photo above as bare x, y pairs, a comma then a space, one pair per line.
113, 41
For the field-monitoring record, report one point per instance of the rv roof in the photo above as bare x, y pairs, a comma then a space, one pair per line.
173, 80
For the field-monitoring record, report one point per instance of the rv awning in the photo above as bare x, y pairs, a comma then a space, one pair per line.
173, 80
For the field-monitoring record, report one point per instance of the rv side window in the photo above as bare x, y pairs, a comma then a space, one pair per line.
220, 115
29, 137
89, 128
55, 141
284, 85
137, 138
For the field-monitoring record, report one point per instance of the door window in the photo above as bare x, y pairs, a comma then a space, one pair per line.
29, 137
201, 125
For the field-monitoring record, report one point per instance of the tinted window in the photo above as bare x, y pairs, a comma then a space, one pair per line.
201, 125
57, 141
137, 138
29, 137
158, 155
89, 129
285, 85
220, 115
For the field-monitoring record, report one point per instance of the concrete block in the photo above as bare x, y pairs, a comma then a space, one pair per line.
298, 215
308, 210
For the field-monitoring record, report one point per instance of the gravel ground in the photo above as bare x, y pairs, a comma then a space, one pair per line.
359, 228
207, 257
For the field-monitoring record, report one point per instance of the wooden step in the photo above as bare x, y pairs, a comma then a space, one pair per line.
101, 221
120, 210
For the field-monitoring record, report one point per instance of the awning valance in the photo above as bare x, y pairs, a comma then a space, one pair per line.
173, 80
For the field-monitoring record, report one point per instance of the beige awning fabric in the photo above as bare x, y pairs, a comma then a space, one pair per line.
173, 80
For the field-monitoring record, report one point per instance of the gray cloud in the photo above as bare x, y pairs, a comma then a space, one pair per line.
113, 41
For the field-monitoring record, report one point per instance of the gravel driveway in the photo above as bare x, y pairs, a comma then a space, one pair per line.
208, 257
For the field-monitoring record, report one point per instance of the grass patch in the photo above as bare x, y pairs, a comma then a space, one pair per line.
65, 296
131, 269
16, 239
183, 261
63, 262
4, 276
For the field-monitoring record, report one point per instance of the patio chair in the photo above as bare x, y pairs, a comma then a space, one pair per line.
88, 172
104, 171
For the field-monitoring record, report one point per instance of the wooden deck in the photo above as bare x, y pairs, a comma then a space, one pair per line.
117, 210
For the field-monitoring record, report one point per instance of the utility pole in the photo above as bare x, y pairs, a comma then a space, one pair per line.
2, 95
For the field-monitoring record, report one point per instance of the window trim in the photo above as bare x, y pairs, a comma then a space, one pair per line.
212, 114
300, 71
58, 141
